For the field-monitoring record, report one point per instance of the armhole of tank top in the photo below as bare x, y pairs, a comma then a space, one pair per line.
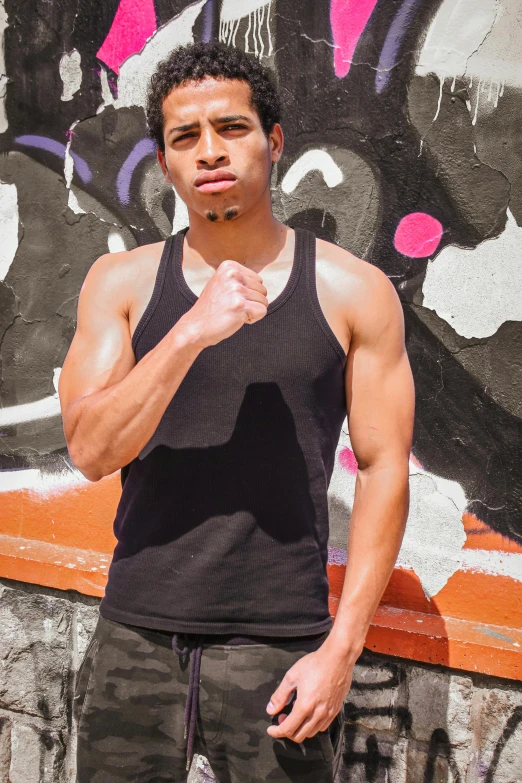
156, 292
311, 272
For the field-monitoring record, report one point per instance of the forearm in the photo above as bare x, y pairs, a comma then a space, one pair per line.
112, 426
377, 525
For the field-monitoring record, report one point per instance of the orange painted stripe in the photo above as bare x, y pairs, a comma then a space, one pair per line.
79, 516
420, 636
66, 568
467, 595
481, 536
459, 644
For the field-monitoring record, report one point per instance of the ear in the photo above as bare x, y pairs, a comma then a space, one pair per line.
277, 140
163, 164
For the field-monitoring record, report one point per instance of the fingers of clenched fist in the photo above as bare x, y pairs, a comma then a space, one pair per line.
234, 296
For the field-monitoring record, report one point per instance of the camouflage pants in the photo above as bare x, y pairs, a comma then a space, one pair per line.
129, 706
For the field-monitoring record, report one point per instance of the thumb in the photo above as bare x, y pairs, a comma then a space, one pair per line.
280, 697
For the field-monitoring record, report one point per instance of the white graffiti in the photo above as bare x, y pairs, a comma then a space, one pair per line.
30, 411
258, 12
8, 227
476, 290
434, 535
71, 74
43, 483
313, 160
137, 69
457, 31
115, 241
485, 50
181, 218
33, 411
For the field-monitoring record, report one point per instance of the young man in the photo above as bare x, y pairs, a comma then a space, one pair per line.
215, 370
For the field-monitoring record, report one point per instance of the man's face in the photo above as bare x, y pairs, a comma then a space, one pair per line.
216, 153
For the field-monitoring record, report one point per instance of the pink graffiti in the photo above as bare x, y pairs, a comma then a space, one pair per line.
348, 19
348, 461
418, 235
133, 23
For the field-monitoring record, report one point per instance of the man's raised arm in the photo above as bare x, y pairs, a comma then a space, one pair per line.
110, 404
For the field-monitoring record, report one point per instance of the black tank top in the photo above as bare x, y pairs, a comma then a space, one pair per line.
222, 525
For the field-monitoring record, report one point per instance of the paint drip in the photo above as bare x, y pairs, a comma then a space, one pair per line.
258, 21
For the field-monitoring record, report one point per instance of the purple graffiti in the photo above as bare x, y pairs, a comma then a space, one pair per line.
56, 148
392, 43
348, 19
140, 150
208, 18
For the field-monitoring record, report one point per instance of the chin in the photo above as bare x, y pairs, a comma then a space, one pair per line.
221, 214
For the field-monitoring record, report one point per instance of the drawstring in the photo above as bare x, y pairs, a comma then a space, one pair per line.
191, 705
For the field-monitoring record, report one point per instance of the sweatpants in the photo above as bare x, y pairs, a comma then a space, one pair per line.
130, 708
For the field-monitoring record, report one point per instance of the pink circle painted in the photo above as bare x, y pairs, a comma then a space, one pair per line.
418, 235
348, 461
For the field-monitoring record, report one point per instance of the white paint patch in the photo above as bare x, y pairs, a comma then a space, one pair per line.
56, 378
115, 241
478, 39
493, 562
3, 75
181, 218
457, 31
136, 70
108, 100
70, 73
313, 160
434, 535
30, 411
498, 57
258, 12
40, 482
8, 227
237, 9
68, 171
476, 290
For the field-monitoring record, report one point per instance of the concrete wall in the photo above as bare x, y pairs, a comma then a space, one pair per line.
406, 723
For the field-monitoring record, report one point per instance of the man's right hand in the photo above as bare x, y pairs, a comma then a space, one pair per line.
233, 296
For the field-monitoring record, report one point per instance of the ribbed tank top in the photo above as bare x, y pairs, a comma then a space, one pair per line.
222, 524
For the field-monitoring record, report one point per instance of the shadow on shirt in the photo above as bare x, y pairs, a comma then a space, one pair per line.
259, 477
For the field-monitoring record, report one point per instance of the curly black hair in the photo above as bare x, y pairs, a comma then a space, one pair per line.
194, 62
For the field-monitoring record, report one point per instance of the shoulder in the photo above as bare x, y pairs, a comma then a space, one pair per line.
122, 275
360, 288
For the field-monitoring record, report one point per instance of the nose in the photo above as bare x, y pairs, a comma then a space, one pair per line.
211, 149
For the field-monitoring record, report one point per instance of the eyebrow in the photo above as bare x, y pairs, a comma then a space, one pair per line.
218, 121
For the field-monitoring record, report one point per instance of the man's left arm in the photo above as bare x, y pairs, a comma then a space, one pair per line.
380, 404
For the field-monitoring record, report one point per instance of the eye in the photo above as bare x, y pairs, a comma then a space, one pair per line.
234, 127
184, 136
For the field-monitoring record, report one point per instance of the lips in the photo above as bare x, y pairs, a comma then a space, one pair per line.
214, 181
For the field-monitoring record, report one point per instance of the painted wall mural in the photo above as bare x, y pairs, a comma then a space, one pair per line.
402, 145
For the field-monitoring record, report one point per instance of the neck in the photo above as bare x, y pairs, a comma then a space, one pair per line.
252, 239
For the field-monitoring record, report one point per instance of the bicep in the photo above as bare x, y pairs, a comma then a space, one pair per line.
100, 353
379, 383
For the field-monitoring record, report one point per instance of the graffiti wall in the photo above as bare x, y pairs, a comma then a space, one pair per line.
402, 145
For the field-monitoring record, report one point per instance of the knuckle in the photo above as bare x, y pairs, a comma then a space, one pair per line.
228, 269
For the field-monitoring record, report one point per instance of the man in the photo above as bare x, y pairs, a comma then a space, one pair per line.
215, 370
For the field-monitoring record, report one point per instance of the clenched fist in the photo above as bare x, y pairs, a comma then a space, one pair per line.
233, 296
